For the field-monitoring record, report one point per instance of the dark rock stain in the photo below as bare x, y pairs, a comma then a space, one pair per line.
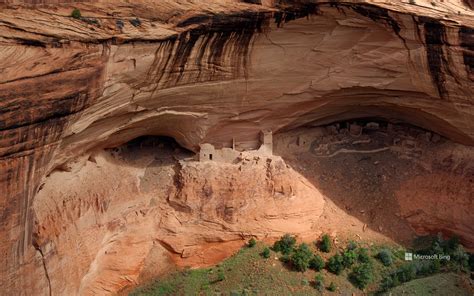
377, 14
466, 36
469, 3
204, 53
435, 39
296, 11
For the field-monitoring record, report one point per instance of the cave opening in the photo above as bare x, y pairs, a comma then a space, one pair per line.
399, 179
160, 147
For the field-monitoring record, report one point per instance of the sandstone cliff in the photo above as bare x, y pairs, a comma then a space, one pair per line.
208, 71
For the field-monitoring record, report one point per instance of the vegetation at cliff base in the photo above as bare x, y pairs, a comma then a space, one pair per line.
289, 268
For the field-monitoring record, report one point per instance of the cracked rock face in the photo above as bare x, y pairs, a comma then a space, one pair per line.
208, 71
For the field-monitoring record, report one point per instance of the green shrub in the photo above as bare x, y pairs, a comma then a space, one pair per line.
332, 287
459, 255
363, 255
285, 258
266, 253
304, 282
387, 283
301, 257
426, 267
252, 242
285, 245
325, 244
410, 271
362, 275
352, 245
76, 13
336, 264
319, 282
316, 263
220, 276
385, 256
471, 262
406, 272
349, 258
451, 244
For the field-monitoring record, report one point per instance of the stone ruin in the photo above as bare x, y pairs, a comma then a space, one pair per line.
208, 152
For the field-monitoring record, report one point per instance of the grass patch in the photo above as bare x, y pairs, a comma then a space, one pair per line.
259, 270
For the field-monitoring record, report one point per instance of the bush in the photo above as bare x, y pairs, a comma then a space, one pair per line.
385, 256
349, 258
471, 262
352, 245
426, 267
252, 242
362, 275
285, 258
459, 255
406, 273
325, 244
220, 276
316, 263
387, 283
301, 257
319, 282
363, 255
285, 245
76, 13
332, 287
336, 264
266, 253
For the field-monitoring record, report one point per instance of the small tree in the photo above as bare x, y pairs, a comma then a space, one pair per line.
76, 13
349, 258
316, 263
385, 256
336, 264
252, 242
266, 253
325, 244
362, 275
319, 282
363, 255
332, 287
301, 257
285, 244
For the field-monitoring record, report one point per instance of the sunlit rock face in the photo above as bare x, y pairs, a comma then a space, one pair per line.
209, 71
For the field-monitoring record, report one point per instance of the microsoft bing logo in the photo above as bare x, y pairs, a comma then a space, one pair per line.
408, 256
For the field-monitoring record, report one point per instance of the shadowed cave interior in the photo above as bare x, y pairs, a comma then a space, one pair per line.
371, 168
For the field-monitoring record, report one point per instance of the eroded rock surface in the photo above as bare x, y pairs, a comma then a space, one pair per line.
207, 71
118, 210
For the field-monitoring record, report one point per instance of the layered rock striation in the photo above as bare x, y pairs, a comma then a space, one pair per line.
209, 71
